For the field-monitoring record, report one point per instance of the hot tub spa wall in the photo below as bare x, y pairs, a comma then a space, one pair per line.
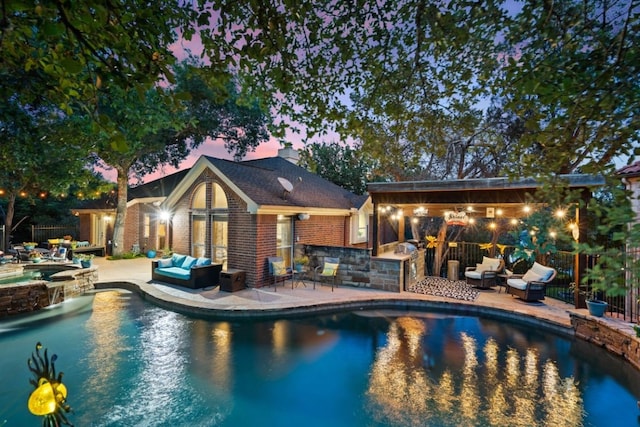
35, 295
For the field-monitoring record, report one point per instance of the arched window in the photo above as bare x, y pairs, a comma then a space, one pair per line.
199, 200
209, 224
219, 199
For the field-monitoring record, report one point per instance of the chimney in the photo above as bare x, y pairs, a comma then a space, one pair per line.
289, 153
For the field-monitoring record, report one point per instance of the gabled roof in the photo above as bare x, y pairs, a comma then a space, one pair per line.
256, 182
630, 171
161, 187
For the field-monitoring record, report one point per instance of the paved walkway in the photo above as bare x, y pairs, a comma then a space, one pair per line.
268, 302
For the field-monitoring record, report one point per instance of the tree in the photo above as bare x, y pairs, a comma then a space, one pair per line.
341, 164
27, 170
147, 134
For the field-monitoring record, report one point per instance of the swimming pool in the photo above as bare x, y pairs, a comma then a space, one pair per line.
129, 363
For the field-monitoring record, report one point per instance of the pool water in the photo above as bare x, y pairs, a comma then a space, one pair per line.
129, 363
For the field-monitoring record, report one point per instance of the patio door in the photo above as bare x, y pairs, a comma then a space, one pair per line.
284, 239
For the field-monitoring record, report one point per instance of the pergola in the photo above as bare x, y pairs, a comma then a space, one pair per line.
484, 196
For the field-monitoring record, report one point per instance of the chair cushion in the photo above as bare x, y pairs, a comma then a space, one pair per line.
542, 271
491, 263
473, 274
517, 283
278, 268
531, 276
329, 269
165, 263
203, 261
188, 262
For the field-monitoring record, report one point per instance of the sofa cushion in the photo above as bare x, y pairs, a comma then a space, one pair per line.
165, 262
178, 259
175, 272
188, 262
203, 261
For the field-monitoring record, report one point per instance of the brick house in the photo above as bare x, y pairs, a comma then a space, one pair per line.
237, 213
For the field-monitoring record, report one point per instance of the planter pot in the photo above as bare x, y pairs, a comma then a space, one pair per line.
85, 264
36, 260
76, 261
151, 254
29, 247
299, 268
596, 308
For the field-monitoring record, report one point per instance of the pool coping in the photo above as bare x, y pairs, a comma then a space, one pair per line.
395, 302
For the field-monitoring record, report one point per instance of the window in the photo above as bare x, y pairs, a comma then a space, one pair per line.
199, 200
209, 224
219, 199
219, 239
284, 236
360, 227
198, 235
147, 226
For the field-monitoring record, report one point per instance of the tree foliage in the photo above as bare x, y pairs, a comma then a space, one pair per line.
341, 164
136, 134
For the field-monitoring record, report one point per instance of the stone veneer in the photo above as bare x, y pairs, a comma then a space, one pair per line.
359, 269
607, 333
37, 294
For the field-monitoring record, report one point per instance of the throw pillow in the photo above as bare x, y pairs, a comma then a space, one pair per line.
188, 262
165, 263
329, 269
178, 259
278, 268
203, 261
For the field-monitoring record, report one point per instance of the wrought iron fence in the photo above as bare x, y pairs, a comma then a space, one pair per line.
469, 254
42, 233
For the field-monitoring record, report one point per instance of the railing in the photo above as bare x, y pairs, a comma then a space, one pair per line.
42, 233
469, 254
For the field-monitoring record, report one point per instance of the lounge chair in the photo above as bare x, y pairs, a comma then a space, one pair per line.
328, 270
484, 275
279, 272
531, 286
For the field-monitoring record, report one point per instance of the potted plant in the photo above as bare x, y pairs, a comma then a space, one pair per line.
35, 256
591, 295
85, 260
29, 246
300, 262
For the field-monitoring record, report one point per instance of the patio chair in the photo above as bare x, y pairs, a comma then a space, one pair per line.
279, 271
531, 286
484, 276
59, 255
328, 270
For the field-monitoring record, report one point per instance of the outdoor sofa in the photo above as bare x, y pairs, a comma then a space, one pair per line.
187, 271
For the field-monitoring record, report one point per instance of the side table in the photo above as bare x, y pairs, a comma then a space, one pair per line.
298, 278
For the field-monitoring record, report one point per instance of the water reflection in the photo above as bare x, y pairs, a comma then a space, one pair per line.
521, 390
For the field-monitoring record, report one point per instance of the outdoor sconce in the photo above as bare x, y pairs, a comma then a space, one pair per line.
303, 216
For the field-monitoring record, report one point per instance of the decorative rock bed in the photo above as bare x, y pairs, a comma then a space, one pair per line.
67, 282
